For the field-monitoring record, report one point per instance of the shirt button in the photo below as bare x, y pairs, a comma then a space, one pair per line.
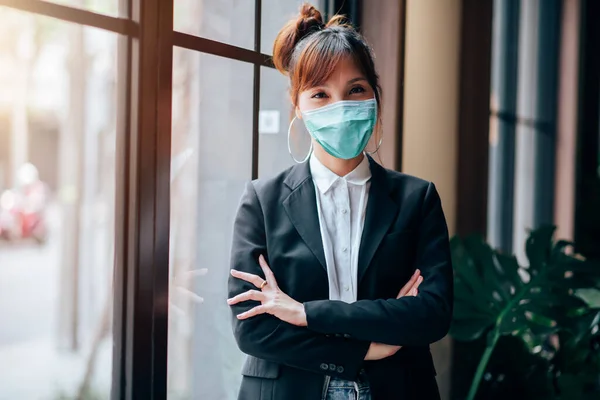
332, 367
340, 370
345, 249
347, 288
324, 367
344, 211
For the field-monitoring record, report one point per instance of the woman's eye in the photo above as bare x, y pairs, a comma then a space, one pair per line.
357, 89
320, 95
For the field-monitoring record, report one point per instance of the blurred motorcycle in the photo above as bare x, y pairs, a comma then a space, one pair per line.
22, 209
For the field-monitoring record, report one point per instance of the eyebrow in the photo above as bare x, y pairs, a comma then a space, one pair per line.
350, 82
360, 78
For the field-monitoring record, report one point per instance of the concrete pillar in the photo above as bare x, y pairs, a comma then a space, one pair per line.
564, 191
19, 149
70, 182
430, 131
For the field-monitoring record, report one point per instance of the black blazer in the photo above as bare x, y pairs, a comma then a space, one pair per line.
404, 229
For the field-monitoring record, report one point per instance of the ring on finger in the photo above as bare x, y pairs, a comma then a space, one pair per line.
262, 285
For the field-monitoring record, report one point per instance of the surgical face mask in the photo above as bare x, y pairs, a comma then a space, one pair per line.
343, 128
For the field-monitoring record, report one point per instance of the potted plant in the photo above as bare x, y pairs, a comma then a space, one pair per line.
545, 315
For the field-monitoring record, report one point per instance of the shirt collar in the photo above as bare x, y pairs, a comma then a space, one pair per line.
325, 178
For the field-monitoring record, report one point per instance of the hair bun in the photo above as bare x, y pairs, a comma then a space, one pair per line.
308, 21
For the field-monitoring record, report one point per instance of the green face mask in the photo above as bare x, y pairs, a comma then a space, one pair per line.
342, 128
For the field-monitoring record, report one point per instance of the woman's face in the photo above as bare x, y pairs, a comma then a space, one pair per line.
347, 82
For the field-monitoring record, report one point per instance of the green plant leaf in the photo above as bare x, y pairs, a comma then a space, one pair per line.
570, 386
554, 297
462, 293
490, 293
490, 271
468, 330
539, 247
464, 311
590, 296
510, 267
559, 296
513, 324
468, 274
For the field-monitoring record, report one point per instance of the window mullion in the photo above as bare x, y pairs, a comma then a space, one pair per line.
147, 240
256, 89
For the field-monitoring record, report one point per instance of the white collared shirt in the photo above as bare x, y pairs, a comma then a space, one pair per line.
341, 205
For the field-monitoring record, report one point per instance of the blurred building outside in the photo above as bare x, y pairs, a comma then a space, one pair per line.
57, 108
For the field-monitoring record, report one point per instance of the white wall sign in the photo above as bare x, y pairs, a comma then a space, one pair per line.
268, 121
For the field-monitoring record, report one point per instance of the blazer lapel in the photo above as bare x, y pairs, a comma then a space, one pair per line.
301, 208
381, 212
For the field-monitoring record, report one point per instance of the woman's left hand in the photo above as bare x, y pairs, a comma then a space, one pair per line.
273, 300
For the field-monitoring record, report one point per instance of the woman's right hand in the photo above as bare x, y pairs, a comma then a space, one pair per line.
378, 351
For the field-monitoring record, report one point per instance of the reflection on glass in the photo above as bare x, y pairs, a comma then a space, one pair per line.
211, 163
227, 21
109, 7
57, 158
275, 115
274, 14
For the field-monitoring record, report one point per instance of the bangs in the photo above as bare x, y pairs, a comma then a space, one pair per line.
319, 59
316, 57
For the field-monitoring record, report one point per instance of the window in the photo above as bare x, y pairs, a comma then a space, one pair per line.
57, 211
145, 119
275, 116
110, 7
211, 162
215, 126
226, 21
275, 13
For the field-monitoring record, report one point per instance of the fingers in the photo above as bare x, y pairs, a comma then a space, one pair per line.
253, 279
253, 312
247, 296
268, 273
419, 281
410, 284
415, 289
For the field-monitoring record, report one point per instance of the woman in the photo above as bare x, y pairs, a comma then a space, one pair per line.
328, 255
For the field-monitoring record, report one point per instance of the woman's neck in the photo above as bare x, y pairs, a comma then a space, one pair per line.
336, 165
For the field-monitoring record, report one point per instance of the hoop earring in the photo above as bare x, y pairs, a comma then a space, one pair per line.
290, 147
377, 148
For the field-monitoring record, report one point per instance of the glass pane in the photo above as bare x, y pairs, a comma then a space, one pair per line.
211, 163
57, 179
276, 113
275, 13
109, 7
227, 21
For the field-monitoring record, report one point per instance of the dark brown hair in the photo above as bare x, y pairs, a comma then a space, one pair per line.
307, 50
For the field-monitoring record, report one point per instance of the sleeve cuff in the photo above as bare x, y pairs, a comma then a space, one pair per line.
349, 362
314, 318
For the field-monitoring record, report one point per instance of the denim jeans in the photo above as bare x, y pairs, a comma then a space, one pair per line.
339, 389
